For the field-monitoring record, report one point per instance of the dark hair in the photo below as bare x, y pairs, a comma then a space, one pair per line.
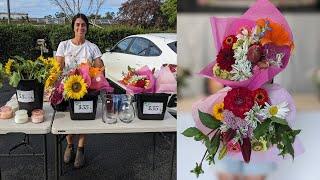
83, 17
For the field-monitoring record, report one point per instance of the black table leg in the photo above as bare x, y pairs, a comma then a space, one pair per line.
173, 147
45, 156
57, 156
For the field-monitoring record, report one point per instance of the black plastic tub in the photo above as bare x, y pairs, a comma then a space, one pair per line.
85, 108
151, 106
30, 95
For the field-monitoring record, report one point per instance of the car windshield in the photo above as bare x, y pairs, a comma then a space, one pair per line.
173, 46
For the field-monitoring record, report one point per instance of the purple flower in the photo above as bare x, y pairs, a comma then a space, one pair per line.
270, 52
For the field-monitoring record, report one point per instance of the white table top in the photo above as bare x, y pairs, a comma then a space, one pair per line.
9, 126
63, 124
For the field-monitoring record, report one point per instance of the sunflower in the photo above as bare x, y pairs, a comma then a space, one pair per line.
8, 66
218, 111
75, 87
51, 80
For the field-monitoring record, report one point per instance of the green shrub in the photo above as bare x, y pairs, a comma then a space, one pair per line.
21, 39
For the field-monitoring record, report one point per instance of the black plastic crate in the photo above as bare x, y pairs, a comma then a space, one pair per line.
149, 105
82, 105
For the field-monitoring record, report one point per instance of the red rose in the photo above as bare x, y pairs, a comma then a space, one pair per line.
239, 101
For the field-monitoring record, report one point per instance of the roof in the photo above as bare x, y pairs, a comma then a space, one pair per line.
167, 37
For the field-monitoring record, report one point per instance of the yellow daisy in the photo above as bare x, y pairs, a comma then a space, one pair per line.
8, 66
218, 111
75, 87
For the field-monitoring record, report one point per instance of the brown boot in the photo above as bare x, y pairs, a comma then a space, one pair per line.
68, 154
79, 161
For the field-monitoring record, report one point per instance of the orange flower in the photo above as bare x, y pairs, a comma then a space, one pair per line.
278, 34
94, 71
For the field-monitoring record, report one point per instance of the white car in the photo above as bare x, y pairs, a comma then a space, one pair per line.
139, 50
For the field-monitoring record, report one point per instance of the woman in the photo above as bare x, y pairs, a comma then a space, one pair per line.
71, 53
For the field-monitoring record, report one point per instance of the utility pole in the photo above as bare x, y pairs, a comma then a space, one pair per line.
8, 4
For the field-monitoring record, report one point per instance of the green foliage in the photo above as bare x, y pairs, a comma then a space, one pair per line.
209, 121
169, 10
21, 39
197, 170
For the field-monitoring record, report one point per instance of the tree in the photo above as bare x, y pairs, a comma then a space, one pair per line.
109, 15
48, 17
169, 10
71, 8
60, 15
145, 13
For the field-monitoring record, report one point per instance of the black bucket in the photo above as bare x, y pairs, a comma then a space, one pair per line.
85, 108
30, 95
151, 106
62, 107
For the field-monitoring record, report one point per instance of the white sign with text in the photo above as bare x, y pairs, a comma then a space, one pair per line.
152, 108
25, 96
83, 106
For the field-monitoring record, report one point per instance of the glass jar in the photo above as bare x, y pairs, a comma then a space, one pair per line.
126, 110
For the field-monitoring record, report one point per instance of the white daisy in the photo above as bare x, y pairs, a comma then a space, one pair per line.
280, 110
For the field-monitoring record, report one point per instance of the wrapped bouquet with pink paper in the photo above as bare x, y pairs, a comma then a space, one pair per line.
151, 90
252, 48
249, 125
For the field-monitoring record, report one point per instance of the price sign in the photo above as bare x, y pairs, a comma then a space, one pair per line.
152, 108
25, 96
83, 107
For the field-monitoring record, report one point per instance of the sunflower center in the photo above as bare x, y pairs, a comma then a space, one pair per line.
76, 87
273, 110
239, 101
220, 110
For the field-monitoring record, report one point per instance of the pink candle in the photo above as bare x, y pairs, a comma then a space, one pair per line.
37, 116
6, 112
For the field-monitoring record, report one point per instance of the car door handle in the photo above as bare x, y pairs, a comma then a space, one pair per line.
138, 64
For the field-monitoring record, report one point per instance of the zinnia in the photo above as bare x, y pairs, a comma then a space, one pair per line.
225, 59
239, 101
260, 96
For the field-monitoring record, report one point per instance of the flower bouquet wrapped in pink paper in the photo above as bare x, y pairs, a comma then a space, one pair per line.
166, 81
139, 81
250, 125
252, 48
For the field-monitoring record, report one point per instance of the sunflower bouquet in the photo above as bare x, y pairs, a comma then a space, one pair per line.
246, 124
251, 49
45, 70
79, 82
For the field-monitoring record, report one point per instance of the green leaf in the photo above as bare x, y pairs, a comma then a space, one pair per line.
209, 121
279, 120
14, 79
223, 152
190, 132
197, 170
262, 128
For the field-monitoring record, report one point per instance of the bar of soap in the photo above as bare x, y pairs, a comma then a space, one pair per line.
6, 112
37, 116
21, 116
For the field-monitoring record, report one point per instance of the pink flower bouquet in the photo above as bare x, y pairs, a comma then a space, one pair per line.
251, 49
250, 125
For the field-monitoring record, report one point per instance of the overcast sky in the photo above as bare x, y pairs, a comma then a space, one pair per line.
41, 8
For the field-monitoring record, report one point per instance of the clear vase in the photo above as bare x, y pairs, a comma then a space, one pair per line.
126, 110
